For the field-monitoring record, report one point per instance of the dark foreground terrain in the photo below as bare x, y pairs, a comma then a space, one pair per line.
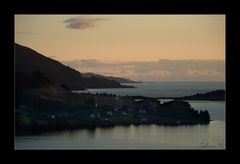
39, 110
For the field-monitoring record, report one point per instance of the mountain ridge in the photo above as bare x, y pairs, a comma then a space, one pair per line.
117, 79
28, 61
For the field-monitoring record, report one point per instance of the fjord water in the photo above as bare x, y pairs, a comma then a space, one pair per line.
211, 136
161, 89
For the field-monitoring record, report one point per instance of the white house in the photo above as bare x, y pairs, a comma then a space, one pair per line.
142, 111
123, 113
53, 116
138, 100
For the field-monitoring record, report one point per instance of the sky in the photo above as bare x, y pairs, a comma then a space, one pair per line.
139, 47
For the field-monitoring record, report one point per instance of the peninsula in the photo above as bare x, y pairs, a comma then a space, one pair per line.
216, 95
39, 110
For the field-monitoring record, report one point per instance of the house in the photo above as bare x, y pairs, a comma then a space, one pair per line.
144, 119
142, 111
104, 121
92, 115
130, 109
109, 113
116, 109
178, 122
138, 100
124, 114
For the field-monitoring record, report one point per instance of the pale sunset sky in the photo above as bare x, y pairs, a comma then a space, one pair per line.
139, 47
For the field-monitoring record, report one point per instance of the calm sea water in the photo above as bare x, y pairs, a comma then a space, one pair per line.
210, 136
161, 89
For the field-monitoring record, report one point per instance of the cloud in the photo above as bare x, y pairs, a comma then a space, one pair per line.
163, 70
89, 63
203, 73
83, 22
81, 63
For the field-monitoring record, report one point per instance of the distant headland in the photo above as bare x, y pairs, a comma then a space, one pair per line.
216, 95
28, 61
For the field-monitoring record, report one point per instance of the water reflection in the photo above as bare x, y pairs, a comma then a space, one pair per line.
132, 137
211, 136
91, 133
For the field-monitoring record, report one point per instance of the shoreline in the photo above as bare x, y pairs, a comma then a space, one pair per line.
73, 111
21, 134
214, 95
